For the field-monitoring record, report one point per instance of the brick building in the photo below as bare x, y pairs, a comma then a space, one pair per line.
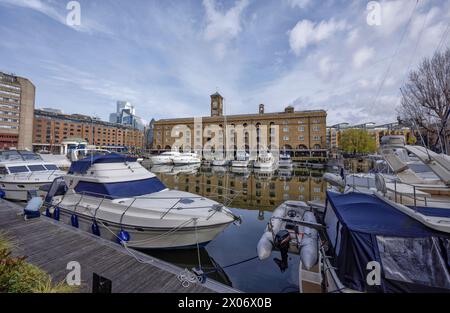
51, 128
301, 133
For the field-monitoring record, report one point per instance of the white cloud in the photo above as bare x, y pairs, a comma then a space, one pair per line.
302, 4
45, 7
327, 68
306, 32
361, 56
223, 27
353, 36
395, 14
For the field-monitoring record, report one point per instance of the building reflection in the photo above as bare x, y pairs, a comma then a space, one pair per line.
246, 188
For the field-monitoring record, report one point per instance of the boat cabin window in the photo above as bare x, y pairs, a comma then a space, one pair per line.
37, 168
18, 169
3, 170
51, 167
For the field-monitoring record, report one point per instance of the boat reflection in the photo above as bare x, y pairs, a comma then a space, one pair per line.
246, 188
188, 259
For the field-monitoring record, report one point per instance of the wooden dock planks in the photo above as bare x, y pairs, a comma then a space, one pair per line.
51, 245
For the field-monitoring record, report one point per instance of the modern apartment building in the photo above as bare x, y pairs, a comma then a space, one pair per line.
300, 133
51, 128
126, 115
16, 112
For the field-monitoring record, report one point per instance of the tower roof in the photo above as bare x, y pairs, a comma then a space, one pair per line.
216, 94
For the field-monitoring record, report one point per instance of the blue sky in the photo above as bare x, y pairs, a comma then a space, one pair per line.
167, 57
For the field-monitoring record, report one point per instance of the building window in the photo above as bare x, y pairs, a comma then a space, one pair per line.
301, 138
301, 122
285, 138
317, 189
301, 128
316, 128
286, 129
316, 138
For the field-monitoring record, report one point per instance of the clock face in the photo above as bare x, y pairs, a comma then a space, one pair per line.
214, 104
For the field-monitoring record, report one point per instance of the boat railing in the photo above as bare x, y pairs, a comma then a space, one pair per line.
30, 174
104, 197
398, 196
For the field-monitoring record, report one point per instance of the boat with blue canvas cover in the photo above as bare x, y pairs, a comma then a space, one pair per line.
364, 231
417, 182
113, 196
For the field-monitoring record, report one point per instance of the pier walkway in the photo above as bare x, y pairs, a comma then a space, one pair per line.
50, 245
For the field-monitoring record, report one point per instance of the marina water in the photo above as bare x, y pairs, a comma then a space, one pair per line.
253, 195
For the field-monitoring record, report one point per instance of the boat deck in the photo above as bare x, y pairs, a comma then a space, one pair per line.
51, 245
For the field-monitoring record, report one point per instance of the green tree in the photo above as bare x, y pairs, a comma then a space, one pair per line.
357, 141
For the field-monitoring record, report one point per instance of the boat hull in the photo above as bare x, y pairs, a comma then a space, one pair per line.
240, 163
161, 161
17, 193
148, 238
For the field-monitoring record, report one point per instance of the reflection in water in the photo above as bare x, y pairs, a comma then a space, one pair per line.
188, 258
250, 193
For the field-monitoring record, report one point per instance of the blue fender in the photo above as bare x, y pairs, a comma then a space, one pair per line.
74, 220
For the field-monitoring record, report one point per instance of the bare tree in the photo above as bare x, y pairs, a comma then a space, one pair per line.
426, 98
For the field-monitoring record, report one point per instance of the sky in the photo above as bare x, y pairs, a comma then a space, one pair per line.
349, 58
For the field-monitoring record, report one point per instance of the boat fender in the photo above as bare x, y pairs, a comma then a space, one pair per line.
309, 242
2, 193
47, 212
95, 229
265, 245
56, 214
32, 208
123, 236
74, 220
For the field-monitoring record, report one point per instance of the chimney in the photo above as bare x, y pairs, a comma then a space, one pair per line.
261, 108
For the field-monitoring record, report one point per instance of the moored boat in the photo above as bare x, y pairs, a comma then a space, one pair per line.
114, 197
24, 172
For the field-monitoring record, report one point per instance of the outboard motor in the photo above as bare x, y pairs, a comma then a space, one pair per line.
281, 242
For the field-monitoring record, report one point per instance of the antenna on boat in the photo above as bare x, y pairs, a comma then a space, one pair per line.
421, 138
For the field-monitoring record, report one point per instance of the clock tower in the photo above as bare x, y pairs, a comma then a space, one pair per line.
216, 104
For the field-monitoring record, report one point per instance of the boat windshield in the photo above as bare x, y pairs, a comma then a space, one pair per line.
37, 168
51, 167
18, 169
18, 155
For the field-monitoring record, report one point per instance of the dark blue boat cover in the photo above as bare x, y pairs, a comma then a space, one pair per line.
125, 189
413, 257
82, 166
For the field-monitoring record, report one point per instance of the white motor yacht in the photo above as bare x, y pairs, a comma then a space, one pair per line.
186, 159
285, 161
242, 160
164, 158
265, 161
116, 198
24, 172
220, 162
418, 183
